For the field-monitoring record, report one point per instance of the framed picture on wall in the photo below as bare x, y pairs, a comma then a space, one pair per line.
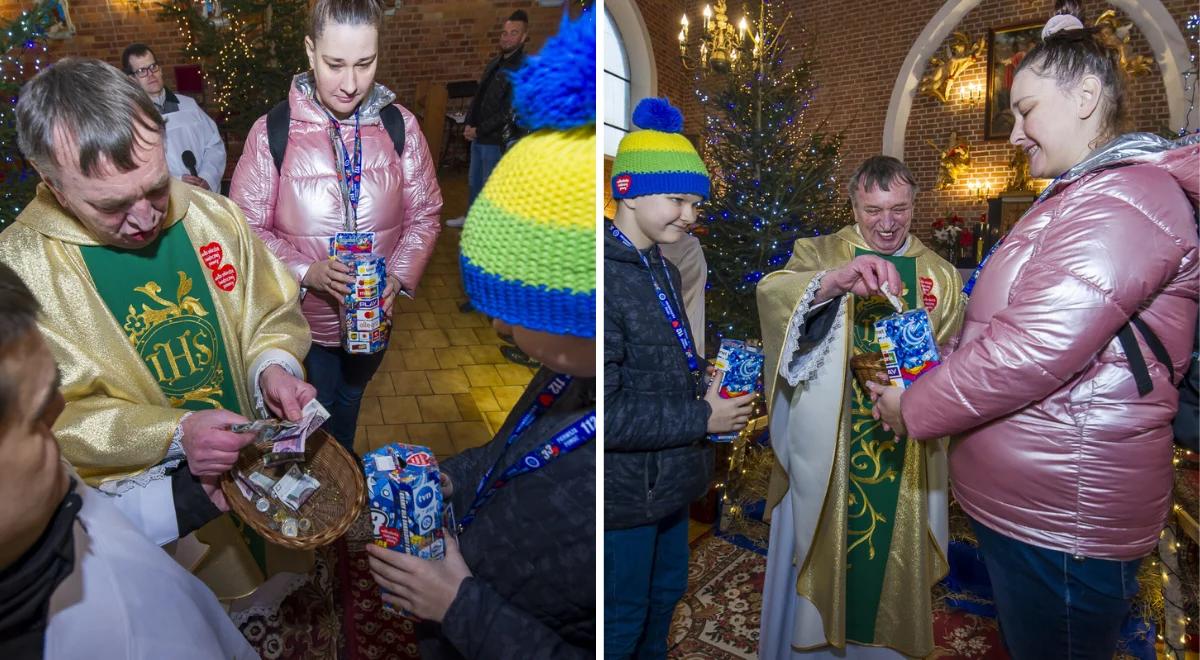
1006, 48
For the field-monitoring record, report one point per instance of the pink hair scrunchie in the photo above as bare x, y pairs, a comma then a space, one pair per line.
1061, 22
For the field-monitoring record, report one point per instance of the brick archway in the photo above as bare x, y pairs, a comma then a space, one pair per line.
1154, 21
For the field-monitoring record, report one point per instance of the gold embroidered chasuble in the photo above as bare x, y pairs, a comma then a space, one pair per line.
118, 422
831, 455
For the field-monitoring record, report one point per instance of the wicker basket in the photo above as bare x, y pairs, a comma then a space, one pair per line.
331, 509
869, 367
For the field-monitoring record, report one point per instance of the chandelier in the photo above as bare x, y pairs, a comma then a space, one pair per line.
720, 46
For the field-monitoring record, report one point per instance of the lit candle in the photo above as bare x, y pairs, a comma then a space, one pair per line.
742, 28
707, 15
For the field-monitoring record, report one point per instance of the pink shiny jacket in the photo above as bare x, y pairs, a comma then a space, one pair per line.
296, 211
1055, 448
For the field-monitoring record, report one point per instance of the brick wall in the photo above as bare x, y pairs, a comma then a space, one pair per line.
859, 50
432, 41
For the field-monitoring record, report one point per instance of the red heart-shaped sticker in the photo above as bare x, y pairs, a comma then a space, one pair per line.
225, 277
930, 301
926, 284
211, 255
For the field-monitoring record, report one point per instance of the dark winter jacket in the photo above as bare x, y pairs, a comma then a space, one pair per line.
657, 457
531, 548
491, 110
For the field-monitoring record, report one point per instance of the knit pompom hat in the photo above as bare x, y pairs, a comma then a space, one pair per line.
657, 160
529, 242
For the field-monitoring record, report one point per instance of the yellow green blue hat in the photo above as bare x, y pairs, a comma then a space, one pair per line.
658, 159
529, 242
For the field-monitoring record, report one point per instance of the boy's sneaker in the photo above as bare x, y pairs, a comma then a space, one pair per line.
458, 222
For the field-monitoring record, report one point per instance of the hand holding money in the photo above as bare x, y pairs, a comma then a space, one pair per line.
209, 444
284, 394
863, 276
287, 438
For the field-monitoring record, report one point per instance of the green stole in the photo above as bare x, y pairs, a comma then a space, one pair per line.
876, 465
179, 340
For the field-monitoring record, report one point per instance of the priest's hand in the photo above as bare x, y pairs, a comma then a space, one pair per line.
284, 394
886, 407
864, 276
424, 587
212, 449
728, 415
329, 276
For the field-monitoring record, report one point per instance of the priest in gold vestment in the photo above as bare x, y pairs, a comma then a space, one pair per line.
167, 317
858, 516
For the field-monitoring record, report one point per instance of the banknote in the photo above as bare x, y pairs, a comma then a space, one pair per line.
265, 428
292, 440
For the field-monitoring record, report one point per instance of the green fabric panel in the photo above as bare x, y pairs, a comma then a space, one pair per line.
876, 464
159, 296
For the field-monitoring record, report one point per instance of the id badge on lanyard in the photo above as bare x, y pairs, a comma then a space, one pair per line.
677, 325
574, 436
349, 172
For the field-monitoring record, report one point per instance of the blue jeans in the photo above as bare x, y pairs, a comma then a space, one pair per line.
483, 160
1053, 605
340, 379
645, 576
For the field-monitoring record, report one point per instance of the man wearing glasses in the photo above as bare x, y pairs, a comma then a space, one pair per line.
189, 129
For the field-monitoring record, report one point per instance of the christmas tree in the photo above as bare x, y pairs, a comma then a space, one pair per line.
22, 55
772, 166
249, 53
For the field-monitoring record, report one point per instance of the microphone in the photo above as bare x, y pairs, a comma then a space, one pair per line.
189, 161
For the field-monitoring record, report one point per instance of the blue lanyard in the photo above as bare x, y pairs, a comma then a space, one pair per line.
677, 325
564, 442
350, 175
970, 285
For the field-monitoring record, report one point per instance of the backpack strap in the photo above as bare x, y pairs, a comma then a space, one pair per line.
279, 120
1137, 364
1156, 346
1133, 353
280, 117
393, 123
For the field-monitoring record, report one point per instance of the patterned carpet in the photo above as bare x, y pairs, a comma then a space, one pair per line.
335, 614
719, 616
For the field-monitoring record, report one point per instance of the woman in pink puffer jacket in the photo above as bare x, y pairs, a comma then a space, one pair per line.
296, 210
1064, 470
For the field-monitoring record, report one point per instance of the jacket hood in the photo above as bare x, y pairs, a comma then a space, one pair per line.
1180, 158
305, 106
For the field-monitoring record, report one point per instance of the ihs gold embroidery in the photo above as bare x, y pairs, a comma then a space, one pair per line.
178, 344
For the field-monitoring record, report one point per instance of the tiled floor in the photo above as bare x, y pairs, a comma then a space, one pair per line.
443, 383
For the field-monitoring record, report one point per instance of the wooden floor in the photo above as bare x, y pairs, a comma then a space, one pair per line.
443, 383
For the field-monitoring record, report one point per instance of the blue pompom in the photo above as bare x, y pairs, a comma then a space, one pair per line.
658, 115
557, 87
